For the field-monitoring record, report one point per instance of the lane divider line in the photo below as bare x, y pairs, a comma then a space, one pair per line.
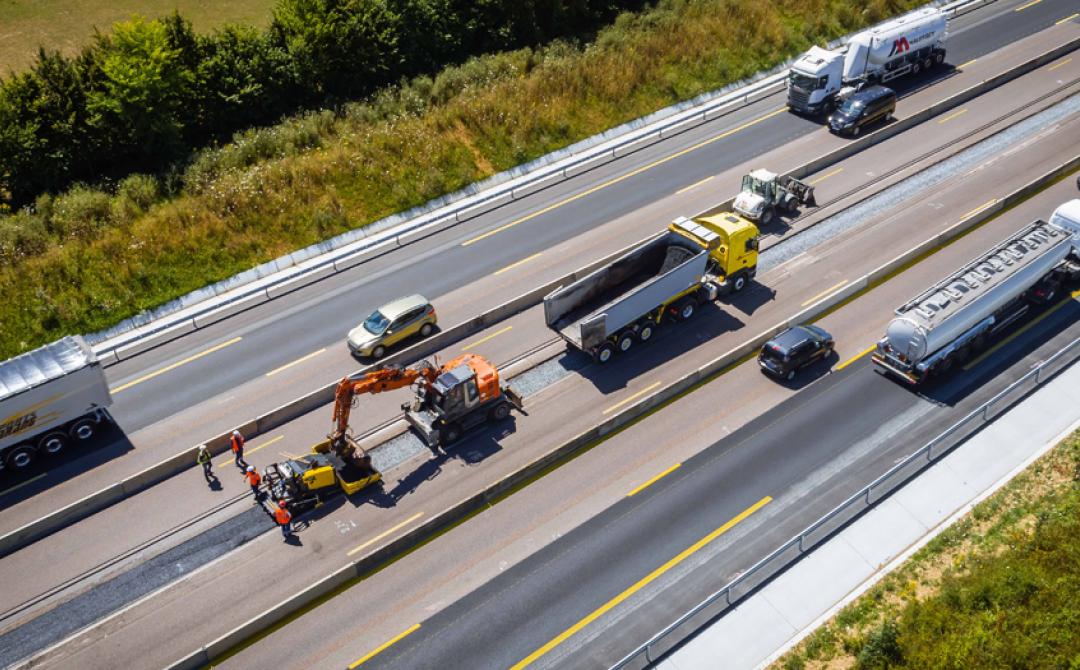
826, 293
1028, 326
961, 67
296, 362
521, 262
384, 646
952, 116
980, 208
485, 339
228, 460
383, 534
825, 176
19, 486
640, 393
628, 175
1067, 18
684, 189
849, 361
167, 368
1057, 65
655, 479
1030, 4
642, 583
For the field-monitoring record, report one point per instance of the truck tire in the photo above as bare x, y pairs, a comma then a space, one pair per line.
604, 352
500, 411
451, 433
738, 283
916, 67
767, 215
685, 309
939, 57
82, 430
645, 333
20, 458
626, 341
52, 443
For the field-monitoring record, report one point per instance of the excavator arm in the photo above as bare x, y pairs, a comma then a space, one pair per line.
375, 381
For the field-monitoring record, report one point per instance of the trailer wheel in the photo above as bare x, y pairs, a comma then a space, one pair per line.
645, 333
604, 352
20, 457
916, 67
52, 443
939, 57
685, 309
82, 430
928, 63
500, 411
626, 341
451, 433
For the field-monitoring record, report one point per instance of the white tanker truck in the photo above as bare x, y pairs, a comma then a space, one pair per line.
821, 79
958, 316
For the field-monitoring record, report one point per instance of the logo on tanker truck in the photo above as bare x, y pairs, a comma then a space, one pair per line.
899, 46
18, 424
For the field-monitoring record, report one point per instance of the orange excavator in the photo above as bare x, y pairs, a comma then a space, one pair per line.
447, 401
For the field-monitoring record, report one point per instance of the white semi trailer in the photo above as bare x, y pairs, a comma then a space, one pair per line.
50, 398
909, 44
958, 316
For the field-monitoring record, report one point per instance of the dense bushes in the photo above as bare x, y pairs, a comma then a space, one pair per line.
146, 94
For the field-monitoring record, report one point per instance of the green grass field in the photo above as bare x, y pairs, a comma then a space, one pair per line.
67, 25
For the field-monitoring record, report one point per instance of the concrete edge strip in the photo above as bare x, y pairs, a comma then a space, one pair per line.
427, 530
298, 269
39, 528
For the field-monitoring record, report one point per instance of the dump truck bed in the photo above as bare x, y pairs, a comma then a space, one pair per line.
598, 305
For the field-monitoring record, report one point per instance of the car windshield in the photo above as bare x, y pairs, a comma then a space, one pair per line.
376, 323
805, 82
851, 106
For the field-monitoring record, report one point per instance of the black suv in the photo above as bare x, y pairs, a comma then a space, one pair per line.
794, 348
863, 108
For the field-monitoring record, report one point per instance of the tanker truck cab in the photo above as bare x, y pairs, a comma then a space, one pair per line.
814, 80
732, 243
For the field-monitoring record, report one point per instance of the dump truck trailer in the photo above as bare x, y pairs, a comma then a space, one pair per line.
51, 398
959, 316
668, 276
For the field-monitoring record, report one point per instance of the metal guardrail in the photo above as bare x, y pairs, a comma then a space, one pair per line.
688, 624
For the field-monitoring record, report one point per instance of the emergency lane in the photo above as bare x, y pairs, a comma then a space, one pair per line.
562, 563
148, 446
217, 591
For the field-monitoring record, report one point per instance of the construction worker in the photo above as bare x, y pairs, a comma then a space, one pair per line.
254, 480
237, 442
203, 459
284, 519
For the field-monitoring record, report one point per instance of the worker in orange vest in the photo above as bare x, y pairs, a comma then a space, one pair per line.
237, 442
284, 519
254, 480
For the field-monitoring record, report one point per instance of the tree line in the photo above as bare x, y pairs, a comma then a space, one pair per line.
142, 97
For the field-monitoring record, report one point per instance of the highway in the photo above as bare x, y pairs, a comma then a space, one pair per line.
208, 599
180, 380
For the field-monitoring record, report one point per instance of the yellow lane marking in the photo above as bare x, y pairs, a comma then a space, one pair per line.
485, 339
19, 486
982, 357
1067, 18
857, 357
1030, 4
177, 364
640, 393
521, 262
1057, 65
296, 362
826, 176
652, 576
383, 534
827, 292
628, 175
227, 460
655, 479
694, 185
286, 454
383, 647
961, 67
952, 116
980, 208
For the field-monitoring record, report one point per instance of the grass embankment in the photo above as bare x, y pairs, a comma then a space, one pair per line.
998, 589
85, 260
68, 25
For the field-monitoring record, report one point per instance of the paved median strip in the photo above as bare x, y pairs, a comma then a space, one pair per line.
1057, 65
384, 646
655, 479
642, 583
383, 534
177, 364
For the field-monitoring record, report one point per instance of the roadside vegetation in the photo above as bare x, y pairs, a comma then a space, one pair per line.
998, 589
95, 254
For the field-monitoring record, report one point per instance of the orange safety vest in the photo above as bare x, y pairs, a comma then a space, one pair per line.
282, 516
253, 477
237, 443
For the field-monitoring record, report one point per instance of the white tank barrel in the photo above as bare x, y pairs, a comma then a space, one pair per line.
873, 48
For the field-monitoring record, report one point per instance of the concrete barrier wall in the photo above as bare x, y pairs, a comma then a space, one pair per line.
411, 539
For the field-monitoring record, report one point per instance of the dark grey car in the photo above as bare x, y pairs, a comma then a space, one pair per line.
795, 348
863, 108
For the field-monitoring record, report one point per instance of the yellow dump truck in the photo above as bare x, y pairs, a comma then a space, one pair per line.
694, 261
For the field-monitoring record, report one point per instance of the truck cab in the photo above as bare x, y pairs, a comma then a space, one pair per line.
815, 80
732, 243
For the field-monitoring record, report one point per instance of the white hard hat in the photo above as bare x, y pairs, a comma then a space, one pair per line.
202, 447
251, 468
236, 433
